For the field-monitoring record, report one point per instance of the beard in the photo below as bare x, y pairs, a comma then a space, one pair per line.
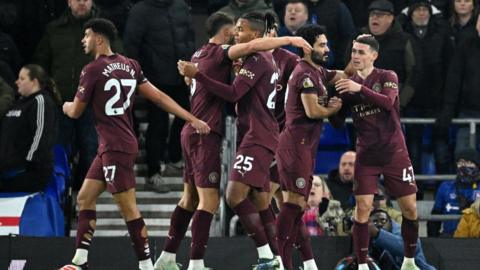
318, 59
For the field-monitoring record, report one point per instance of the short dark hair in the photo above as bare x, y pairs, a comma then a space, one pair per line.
103, 27
216, 21
259, 21
310, 32
298, 2
370, 41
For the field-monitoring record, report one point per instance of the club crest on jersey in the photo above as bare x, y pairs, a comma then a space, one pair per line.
390, 85
307, 83
300, 182
246, 73
213, 177
377, 87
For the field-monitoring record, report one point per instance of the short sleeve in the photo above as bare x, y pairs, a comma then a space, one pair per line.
86, 86
139, 76
306, 84
221, 53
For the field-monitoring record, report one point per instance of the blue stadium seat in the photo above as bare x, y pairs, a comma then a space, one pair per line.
333, 143
60, 177
334, 139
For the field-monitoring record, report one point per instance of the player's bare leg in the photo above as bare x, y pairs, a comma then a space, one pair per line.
408, 205
179, 222
238, 200
288, 222
360, 229
87, 202
202, 218
127, 204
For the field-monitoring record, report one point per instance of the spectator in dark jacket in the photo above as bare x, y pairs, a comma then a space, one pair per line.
336, 17
296, 16
6, 97
27, 134
396, 50
340, 181
9, 52
60, 53
238, 7
432, 50
462, 91
116, 11
462, 20
158, 34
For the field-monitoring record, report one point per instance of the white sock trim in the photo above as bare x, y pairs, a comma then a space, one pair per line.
80, 257
264, 252
310, 265
145, 264
168, 256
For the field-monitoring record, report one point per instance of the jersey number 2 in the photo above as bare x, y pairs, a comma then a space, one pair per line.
117, 85
271, 97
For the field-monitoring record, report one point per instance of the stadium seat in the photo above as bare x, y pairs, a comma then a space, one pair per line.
333, 143
60, 177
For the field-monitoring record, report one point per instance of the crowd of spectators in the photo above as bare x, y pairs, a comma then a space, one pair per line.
433, 46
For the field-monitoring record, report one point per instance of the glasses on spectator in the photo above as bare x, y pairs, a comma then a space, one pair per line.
379, 14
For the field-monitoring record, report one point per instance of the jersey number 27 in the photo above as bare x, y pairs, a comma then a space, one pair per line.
117, 85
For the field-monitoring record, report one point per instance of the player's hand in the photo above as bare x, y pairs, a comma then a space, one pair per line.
335, 103
187, 69
200, 126
299, 42
66, 107
187, 80
347, 86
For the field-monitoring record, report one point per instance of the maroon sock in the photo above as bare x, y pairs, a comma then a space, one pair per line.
138, 236
200, 233
250, 219
85, 228
302, 242
410, 236
360, 241
178, 227
268, 220
286, 222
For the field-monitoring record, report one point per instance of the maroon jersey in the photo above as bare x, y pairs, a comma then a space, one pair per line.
376, 114
254, 91
299, 129
212, 59
286, 62
109, 83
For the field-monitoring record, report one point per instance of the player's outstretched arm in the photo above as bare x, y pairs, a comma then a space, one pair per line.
169, 105
74, 109
265, 44
230, 93
314, 110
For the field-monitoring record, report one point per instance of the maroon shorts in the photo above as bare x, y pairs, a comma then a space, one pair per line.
295, 167
274, 176
397, 173
115, 168
202, 159
252, 167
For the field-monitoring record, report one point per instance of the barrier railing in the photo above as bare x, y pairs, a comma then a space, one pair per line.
229, 150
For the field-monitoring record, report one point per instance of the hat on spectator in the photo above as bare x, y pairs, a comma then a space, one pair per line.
469, 154
414, 4
381, 5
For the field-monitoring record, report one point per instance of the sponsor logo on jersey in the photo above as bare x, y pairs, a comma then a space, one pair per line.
213, 177
390, 85
307, 83
247, 73
300, 182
